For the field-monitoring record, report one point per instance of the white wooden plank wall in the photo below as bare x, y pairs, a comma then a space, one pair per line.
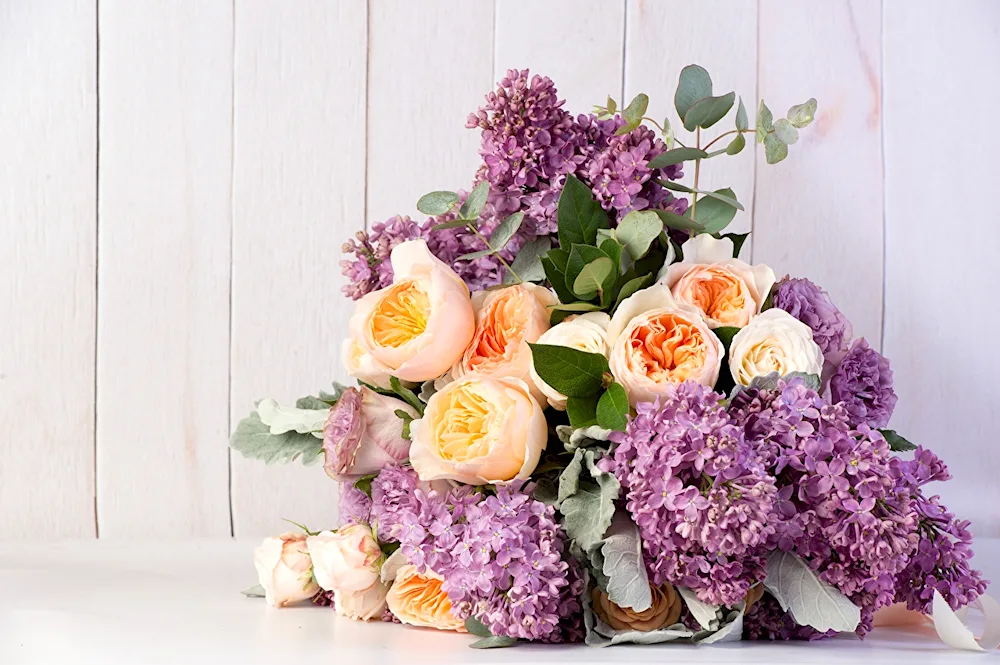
175, 194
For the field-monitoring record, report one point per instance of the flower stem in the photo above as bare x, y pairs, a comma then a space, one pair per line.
697, 173
496, 252
731, 131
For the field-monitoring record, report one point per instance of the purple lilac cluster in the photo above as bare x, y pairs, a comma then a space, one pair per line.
503, 558
941, 560
530, 143
697, 493
863, 384
812, 306
765, 620
839, 505
393, 497
355, 505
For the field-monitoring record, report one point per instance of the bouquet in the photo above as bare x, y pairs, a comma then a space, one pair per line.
580, 416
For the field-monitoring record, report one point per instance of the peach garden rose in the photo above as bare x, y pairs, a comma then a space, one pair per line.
417, 599
655, 342
479, 430
414, 329
728, 291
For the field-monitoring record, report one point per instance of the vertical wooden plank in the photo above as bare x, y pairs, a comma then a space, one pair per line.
298, 193
578, 44
163, 300
48, 132
720, 35
819, 213
941, 267
430, 66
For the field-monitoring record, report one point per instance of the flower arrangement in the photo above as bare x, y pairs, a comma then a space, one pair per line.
580, 416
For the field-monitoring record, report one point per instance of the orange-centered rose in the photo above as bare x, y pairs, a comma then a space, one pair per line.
728, 291
418, 600
656, 342
665, 610
507, 320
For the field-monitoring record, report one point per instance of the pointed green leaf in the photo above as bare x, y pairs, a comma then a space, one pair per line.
572, 372
736, 145
475, 201
694, 85
676, 156
582, 411
576, 307
719, 195
528, 261
714, 214
612, 408
477, 627
437, 203
764, 121
741, 116
636, 109
708, 111
668, 134
738, 240
471, 256
505, 230
612, 105
801, 115
579, 215
631, 287
775, 149
784, 131
672, 220
896, 442
726, 334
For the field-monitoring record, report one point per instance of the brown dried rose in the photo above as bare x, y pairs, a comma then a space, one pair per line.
755, 593
664, 611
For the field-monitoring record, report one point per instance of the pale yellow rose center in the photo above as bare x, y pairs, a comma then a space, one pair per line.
667, 348
400, 315
462, 436
718, 292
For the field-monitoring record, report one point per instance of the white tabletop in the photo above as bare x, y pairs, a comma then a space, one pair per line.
106, 602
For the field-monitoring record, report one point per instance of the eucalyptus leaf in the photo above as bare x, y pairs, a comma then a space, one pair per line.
494, 642
572, 372
714, 214
811, 601
636, 109
637, 231
475, 201
528, 261
736, 145
623, 565
281, 419
581, 256
254, 440
896, 442
592, 277
775, 149
741, 117
764, 121
256, 591
612, 408
612, 105
505, 230
477, 627
668, 134
453, 224
672, 220
708, 111
631, 287
676, 156
576, 307
332, 398
694, 85
437, 203
578, 215
472, 256
582, 411
785, 131
801, 115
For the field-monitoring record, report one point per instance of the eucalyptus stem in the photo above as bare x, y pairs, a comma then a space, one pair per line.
697, 173
497, 252
731, 131
655, 124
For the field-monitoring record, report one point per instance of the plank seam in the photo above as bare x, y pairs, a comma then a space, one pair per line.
624, 48
232, 207
97, 238
885, 234
757, 98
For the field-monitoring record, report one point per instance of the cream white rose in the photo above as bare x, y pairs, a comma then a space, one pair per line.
507, 320
363, 605
348, 559
655, 342
586, 332
284, 569
774, 341
728, 291
414, 329
479, 430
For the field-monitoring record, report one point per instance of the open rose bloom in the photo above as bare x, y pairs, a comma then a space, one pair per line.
574, 415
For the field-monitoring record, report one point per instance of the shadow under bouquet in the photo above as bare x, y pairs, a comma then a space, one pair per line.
580, 416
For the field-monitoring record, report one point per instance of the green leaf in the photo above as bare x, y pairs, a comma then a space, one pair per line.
636, 109
726, 334
775, 149
572, 372
579, 215
741, 117
528, 261
738, 240
569, 479
801, 115
408, 395
612, 408
576, 307
672, 220
631, 287
810, 601
676, 156
613, 249
736, 145
719, 195
453, 224
256, 591
768, 301
554, 264
676, 186
591, 279
494, 642
334, 397
281, 419
638, 231
505, 230
579, 257
612, 106
588, 513
310, 403
437, 203
582, 411
668, 133
475, 201
708, 111
477, 627
713, 213
896, 442
407, 420
624, 566
764, 121
694, 85
784, 131
254, 440
364, 483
